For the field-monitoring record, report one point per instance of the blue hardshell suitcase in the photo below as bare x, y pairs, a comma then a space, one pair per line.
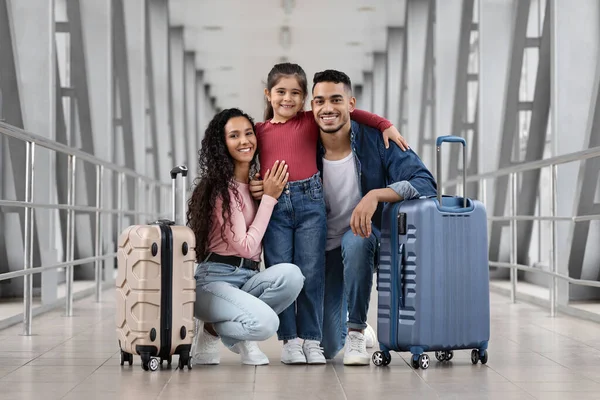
433, 277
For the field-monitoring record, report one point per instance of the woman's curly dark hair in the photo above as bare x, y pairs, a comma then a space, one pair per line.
215, 178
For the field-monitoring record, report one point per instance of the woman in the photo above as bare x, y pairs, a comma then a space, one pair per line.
238, 304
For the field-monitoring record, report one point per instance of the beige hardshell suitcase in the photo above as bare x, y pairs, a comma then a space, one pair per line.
156, 290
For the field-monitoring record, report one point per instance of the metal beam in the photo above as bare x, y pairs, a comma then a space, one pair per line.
121, 75
134, 12
210, 103
459, 113
190, 113
96, 19
473, 162
62, 163
157, 44
357, 91
177, 88
86, 183
536, 142
575, 67
123, 104
26, 34
427, 110
395, 74
509, 120
587, 187
152, 82
366, 102
495, 23
379, 83
417, 20
152, 143
11, 113
201, 121
446, 44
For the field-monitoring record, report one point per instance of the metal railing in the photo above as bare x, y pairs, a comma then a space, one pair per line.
145, 188
513, 172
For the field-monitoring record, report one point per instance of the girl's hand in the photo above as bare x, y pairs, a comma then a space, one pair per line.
392, 133
256, 187
275, 179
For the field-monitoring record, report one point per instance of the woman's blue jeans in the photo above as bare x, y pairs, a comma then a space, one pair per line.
243, 304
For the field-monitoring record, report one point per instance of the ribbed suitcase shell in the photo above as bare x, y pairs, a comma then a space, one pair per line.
439, 299
141, 318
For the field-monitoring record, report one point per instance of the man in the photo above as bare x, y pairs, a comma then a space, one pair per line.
359, 175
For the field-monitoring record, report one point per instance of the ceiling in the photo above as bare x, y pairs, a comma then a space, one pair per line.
237, 42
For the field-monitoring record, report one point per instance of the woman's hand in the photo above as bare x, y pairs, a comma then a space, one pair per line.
275, 179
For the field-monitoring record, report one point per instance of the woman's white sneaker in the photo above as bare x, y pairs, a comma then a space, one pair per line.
205, 347
356, 349
292, 352
250, 352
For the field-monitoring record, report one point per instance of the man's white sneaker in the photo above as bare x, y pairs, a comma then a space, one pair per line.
250, 352
370, 336
205, 347
313, 351
356, 350
292, 352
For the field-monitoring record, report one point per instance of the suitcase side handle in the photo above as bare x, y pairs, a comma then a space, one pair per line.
399, 285
183, 170
438, 145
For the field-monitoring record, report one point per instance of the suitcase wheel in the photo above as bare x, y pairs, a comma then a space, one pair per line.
149, 363
477, 355
184, 359
169, 360
444, 355
420, 361
153, 364
424, 361
126, 357
381, 358
415, 361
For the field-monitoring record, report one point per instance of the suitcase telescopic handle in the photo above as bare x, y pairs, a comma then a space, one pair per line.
183, 170
438, 145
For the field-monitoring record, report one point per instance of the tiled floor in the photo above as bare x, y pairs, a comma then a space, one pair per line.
530, 356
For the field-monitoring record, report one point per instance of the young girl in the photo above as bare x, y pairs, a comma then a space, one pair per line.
237, 303
297, 231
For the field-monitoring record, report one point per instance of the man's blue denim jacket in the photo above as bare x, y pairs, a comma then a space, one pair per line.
378, 168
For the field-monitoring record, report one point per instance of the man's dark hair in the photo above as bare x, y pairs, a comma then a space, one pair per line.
331, 75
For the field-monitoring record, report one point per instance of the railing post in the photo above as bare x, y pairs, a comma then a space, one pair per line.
513, 237
98, 233
70, 234
165, 202
120, 190
553, 258
482, 191
136, 200
152, 200
142, 199
28, 239
173, 214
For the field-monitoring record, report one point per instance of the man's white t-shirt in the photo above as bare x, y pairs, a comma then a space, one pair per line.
342, 195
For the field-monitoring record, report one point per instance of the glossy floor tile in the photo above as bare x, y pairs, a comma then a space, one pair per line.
531, 356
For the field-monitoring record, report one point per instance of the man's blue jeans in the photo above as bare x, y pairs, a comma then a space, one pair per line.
297, 234
348, 282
